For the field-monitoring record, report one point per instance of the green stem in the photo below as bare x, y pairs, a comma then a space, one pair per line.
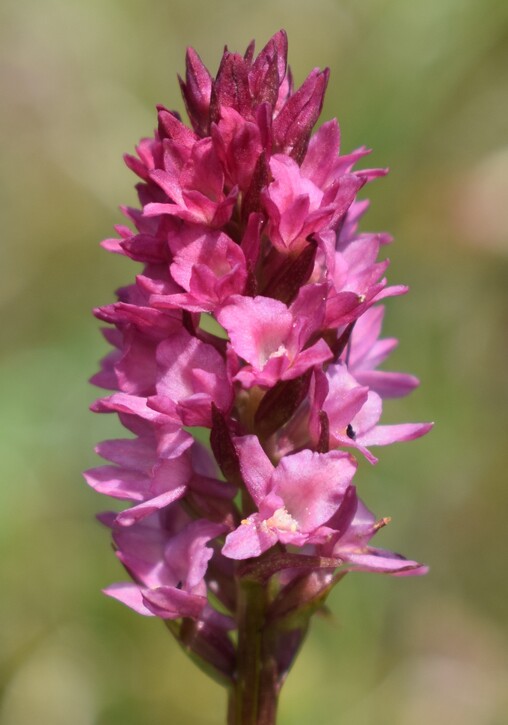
253, 698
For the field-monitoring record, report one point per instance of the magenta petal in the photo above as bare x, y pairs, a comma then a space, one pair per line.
135, 453
377, 353
393, 291
188, 367
273, 371
257, 327
173, 603
367, 417
308, 310
365, 336
419, 570
136, 370
249, 540
137, 513
255, 467
308, 358
312, 485
155, 209
131, 404
252, 238
345, 398
386, 562
343, 517
290, 200
383, 435
292, 221
216, 255
388, 385
172, 442
322, 153
118, 482
187, 554
113, 245
130, 595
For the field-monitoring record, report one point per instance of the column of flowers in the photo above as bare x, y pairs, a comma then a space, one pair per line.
255, 318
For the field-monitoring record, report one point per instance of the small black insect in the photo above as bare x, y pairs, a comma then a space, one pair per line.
350, 432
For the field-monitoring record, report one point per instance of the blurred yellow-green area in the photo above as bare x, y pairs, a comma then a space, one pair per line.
425, 85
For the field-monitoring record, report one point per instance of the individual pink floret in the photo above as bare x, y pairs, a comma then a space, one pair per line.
208, 265
293, 499
196, 191
294, 206
168, 558
273, 339
351, 545
191, 375
353, 412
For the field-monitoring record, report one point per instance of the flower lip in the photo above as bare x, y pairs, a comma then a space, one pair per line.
282, 520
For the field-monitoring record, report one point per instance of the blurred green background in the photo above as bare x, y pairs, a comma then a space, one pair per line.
425, 85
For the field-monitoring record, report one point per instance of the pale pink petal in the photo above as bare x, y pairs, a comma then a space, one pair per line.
383, 435
322, 153
189, 367
255, 466
122, 483
135, 453
249, 540
317, 354
385, 562
187, 554
388, 385
312, 485
147, 508
345, 398
257, 327
173, 603
130, 595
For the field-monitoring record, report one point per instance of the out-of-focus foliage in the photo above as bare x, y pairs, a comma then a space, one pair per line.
424, 84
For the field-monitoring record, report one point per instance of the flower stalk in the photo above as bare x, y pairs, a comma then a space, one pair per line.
254, 696
245, 365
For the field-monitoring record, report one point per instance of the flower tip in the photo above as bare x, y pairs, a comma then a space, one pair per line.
192, 56
278, 42
416, 570
112, 245
106, 518
421, 429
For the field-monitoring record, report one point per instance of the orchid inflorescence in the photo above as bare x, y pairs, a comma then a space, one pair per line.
255, 324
